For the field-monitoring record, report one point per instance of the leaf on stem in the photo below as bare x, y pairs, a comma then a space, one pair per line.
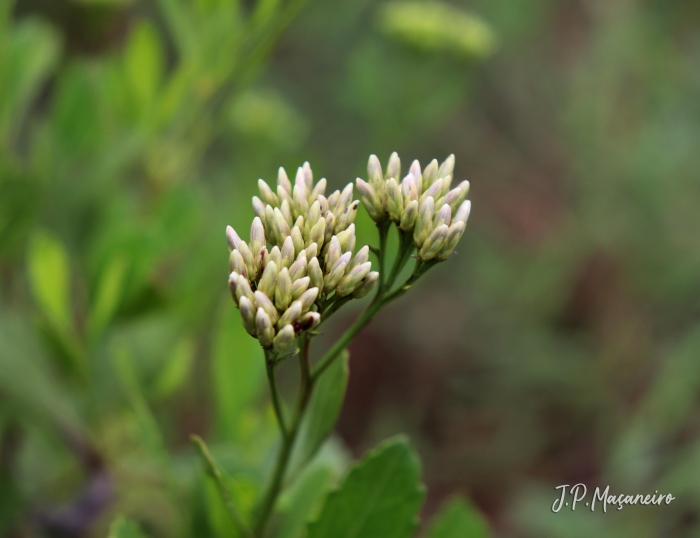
379, 498
458, 519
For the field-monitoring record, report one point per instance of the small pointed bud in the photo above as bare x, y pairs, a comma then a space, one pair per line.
333, 200
290, 315
309, 321
318, 233
367, 285
236, 263
280, 226
443, 216
267, 195
346, 237
270, 223
454, 234
430, 174
352, 279
297, 239
409, 189
264, 327
323, 202
249, 259
393, 169
319, 189
243, 289
307, 298
298, 268
283, 180
409, 217
447, 168
330, 227
308, 176
275, 256
434, 191
268, 280
248, 312
456, 196
446, 185
288, 253
284, 339
300, 197
257, 236
262, 259
370, 200
314, 214
334, 252
374, 170
336, 273
433, 244
462, 214
315, 273
259, 208
286, 211
394, 200
284, 195
299, 286
311, 251
299, 223
415, 171
344, 200
264, 302
232, 281
424, 224
283, 291
361, 257
232, 238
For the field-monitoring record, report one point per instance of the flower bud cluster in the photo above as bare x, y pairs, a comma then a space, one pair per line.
301, 252
424, 203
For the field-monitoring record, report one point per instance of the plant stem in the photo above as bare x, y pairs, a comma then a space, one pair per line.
215, 473
405, 249
383, 236
305, 391
276, 402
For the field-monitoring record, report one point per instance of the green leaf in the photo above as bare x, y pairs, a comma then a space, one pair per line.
144, 66
108, 295
125, 528
379, 498
458, 519
238, 369
325, 406
176, 369
300, 503
49, 278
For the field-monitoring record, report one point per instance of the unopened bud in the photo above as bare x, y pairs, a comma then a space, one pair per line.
409, 189
287, 252
259, 208
374, 170
284, 339
424, 223
298, 268
268, 281
284, 196
344, 200
243, 289
283, 180
434, 190
309, 321
280, 226
330, 227
447, 167
369, 282
462, 214
318, 232
361, 257
430, 174
290, 315
232, 278
308, 176
248, 312
457, 195
443, 216
393, 169
334, 252
232, 238
264, 302
299, 286
352, 279
323, 201
370, 200
266, 332
346, 238
394, 200
333, 200
315, 273
297, 239
454, 234
336, 273
432, 245
299, 195
270, 223
348, 217
415, 171
311, 251
307, 298
249, 259
319, 189
236, 263
275, 256
257, 236
267, 195
283, 291
286, 210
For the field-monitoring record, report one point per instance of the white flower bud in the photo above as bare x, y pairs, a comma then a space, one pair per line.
300, 197
236, 263
352, 279
311, 251
309, 321
259, 208
430, 174
315, 273
257, 236
434, 190
284, 196
346, 239
308, 176
456, 196
286, 210
409, 189
314, 214
374, 170
307, 298
361, 257
299, 286
297, 239
290, 315
409, 217
317, 233
264, 327
334, 252
432, 245
284, 339
415, 171
462, 214
232, 238
424, 224
268, 281
248, 312
371, 201
243, 289
447, 167
348, 217
283, 291
298, 268
333, 200
323, 201
267, 195
232, 278
319, 189
369, 282
336, 272
283, 180
330, 227
274, 256
393, 169
443, 216
288, 253
264, 302
280, 226
394, 200
454, 234
249, 259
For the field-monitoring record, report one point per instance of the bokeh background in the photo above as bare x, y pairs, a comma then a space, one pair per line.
561, 345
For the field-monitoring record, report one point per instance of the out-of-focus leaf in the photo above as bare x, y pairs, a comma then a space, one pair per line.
125, 528
301, 503
144, 66
323, 412
175, 370
237, 370
437, 27
458, 519
108, 295
379, 498
49, 277
264, 11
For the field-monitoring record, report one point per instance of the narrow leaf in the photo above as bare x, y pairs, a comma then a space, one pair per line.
176, 369
108, 295
125, 528
458, 519
379, 498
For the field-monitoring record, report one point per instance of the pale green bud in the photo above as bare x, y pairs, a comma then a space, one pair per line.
307, 298
290, 315
315, 273
309, 321
333, 200
259, 208
267, 195
348, 217
299, 223
446, 184
287, 251
318, 232
275, 256
374, 170
336, 273
344, 200
415, 171
393, 169
370, 199
334, 252
456, 196
346, 238
243, 289
330, 227
434, 190
257, 236
283, 291
430, 174
308, 176
432, 245
369, 282
394, 200
352, 279
232, 238
454, 234
280, 226
284, 196
284, 339
286, 210
283, 180
264, 302
462, 214
268, 281
248, 312
266, 332
299, 286
323, 202
443, 216
409, 217
409, 189
447, 167
319, 189
249, 259
314, 214
262, 258
236, 263
300, 196
232, 282
311, 251
298, 268
297, 239
361, 257
424, 224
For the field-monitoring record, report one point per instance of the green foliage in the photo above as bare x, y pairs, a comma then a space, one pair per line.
125, 528
379, 497
458, 519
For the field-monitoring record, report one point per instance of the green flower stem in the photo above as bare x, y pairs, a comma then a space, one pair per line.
215, 473
383, 239
270, 363
402, 256
305, 391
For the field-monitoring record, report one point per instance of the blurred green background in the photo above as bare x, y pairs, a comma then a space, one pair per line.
561, 345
